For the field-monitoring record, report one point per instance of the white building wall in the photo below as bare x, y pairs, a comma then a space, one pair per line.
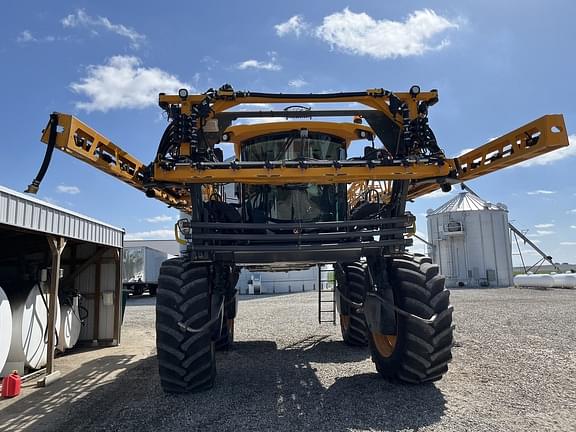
280, 282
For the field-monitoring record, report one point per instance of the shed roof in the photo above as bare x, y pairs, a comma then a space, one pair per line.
464, 201
23, 211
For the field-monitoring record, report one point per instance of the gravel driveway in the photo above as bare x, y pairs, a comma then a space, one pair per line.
514, 368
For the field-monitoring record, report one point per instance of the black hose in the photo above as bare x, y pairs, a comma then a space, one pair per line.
47, 310
35, 185
164, 141
205, 326
389, 305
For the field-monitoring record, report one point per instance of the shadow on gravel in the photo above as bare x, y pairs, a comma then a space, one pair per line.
258, 388
50, 405
295, 397
147, 300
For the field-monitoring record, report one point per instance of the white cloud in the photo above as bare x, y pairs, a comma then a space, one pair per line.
270, 65
573, 226
544, 232
438, 193
294, 25
27, 37
72, 190
553, 156
82, 19
297, 83
541, 192
463, 152
209, 62
154, 234
252, 106
360, 34
260, 120
122, 82
546, 225
571, 211
568, 243
160, 218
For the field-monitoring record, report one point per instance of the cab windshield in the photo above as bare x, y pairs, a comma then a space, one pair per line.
291, 146
296, 202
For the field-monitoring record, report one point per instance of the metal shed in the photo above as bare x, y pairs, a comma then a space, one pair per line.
70, 255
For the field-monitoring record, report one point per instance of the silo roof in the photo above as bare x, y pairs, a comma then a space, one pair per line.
464, 201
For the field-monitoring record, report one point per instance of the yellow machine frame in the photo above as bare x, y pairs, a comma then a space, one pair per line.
81, 141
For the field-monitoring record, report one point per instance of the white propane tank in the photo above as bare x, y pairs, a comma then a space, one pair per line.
565, 280
29, 322
70, 325
534, 280
5, 327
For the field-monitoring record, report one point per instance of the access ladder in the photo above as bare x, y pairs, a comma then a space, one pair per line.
326, 294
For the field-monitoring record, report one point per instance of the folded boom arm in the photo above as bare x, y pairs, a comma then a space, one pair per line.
170, 180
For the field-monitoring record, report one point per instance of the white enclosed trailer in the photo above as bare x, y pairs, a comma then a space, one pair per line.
141, 267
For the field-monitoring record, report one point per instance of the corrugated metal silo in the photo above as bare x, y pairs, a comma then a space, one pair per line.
471, 242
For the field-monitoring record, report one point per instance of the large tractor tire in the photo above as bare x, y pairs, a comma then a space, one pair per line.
352, 285
419, 352
186, 359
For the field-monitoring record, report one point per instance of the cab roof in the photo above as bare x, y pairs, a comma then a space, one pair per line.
347, 131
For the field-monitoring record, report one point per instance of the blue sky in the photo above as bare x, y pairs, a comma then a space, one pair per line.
497, 65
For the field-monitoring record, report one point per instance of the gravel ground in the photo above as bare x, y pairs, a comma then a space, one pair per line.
514, 368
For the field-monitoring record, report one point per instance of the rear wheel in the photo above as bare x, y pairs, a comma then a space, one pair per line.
186, 359
351, 286
418, 352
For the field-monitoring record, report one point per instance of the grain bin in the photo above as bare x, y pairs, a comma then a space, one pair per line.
471, 242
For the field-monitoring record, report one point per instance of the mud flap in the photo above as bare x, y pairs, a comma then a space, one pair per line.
379, 318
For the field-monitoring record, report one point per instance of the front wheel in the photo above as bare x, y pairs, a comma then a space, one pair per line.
417, 352
186, 357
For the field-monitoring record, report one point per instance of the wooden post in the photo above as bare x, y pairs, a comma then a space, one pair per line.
57, 245
97, 300
118, 295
